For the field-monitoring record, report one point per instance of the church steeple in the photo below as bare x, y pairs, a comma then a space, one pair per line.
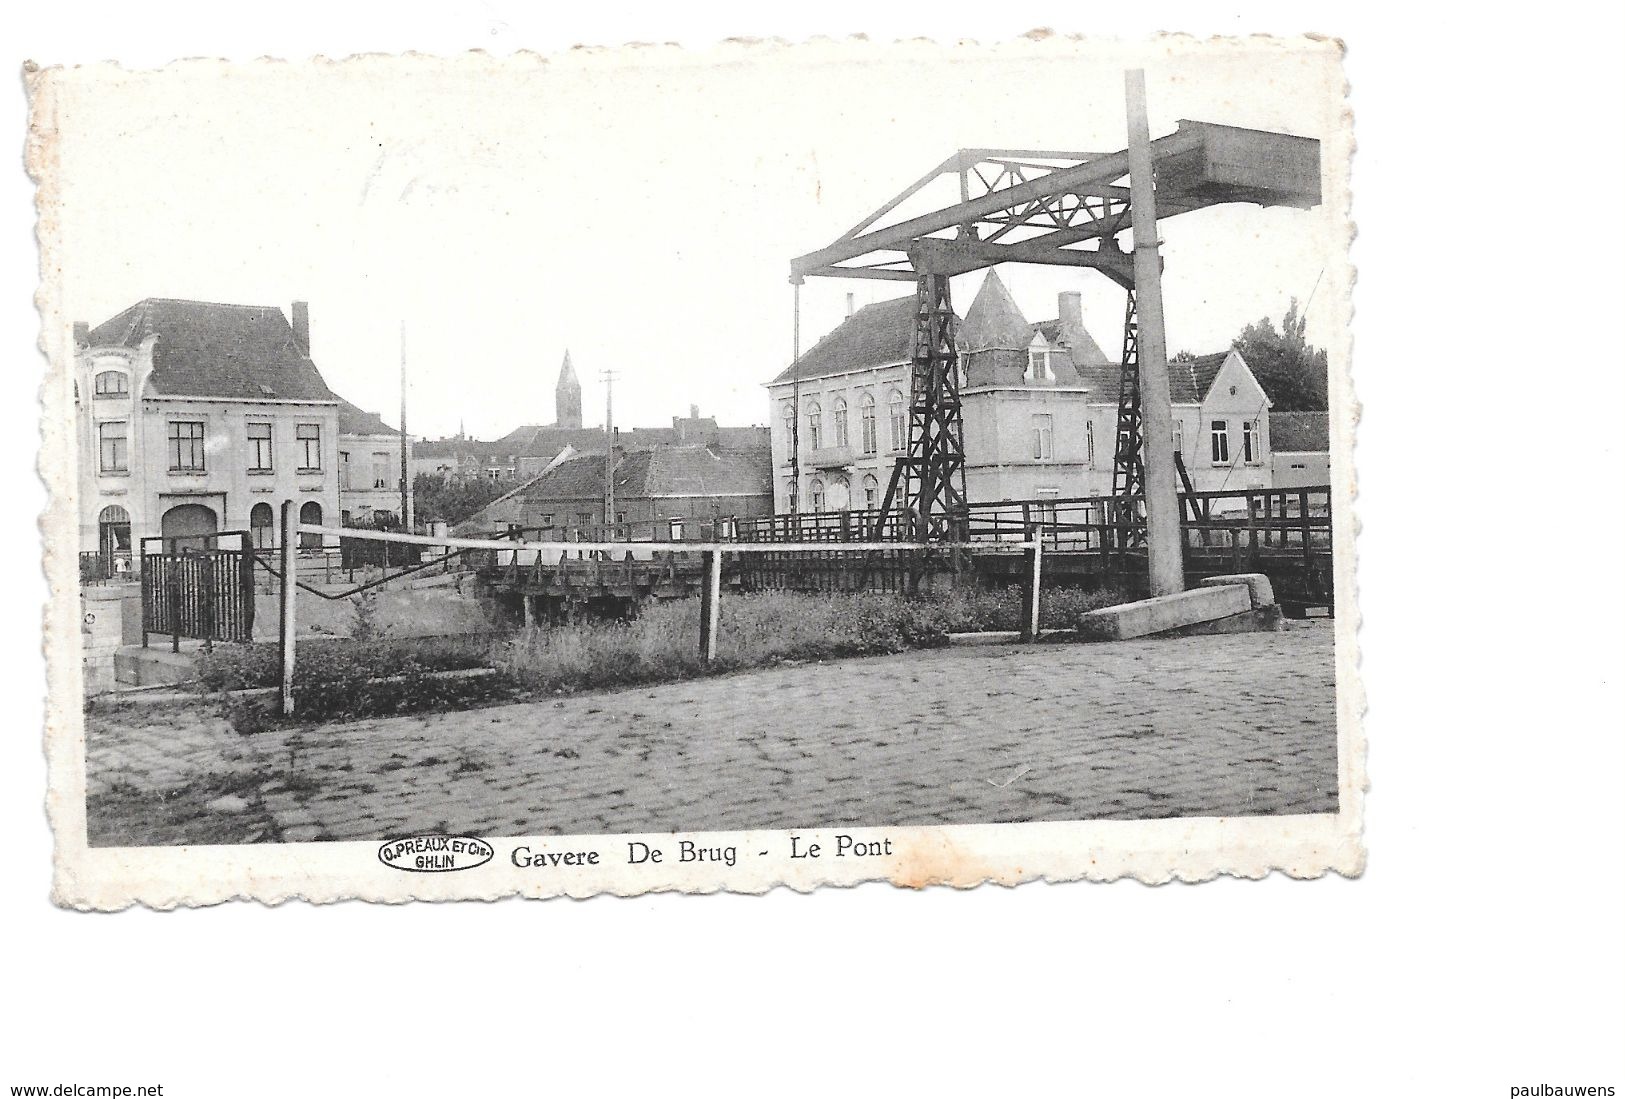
567, 396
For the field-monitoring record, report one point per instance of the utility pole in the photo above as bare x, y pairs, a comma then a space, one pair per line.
1162, 534
406, 476
609, 450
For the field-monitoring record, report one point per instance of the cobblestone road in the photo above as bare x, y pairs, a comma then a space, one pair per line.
1231, 725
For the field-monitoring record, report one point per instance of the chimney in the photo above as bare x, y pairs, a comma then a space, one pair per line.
301, 326
850, 304
1070, 304
694, 412
81, 333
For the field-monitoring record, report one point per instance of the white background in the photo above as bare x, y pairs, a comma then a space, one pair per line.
1483, 949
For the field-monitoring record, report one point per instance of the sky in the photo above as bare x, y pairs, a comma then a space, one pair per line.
639, 208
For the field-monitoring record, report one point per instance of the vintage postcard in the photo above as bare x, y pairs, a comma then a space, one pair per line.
655, 469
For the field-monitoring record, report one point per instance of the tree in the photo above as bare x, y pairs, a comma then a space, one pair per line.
453, 499
1292, 372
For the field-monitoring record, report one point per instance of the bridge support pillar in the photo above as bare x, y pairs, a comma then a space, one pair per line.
1162, 535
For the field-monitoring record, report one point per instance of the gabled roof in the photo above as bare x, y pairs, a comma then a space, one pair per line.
1300, 432
1080, 344
1189, 381
538, 441
994, 319
441, 448
704, 471
881, 334
661, 471
206, 349
355, 421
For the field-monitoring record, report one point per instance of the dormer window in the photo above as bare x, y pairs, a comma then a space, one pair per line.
112, 383
1038, 366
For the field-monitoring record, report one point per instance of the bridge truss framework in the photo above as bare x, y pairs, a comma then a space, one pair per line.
1059, 209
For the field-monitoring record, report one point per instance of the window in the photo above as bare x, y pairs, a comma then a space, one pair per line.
866, 414
584, 518
259, 448
546, 520
310, 515
310, 447
1089, 441
1179, 437
789, 426
791, 496
112, 383
841, 438
816, 491
1043, 437
1037, 365
1221, 443
899, 421
186, 445
345, 474
260, 526
113, 528
380, 469
1250, 443
815, 425
871, 493
113, 446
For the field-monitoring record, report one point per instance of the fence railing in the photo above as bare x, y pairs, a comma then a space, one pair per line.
200, 587
712, 554
96, 567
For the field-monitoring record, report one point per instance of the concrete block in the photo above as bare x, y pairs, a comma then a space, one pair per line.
1256, 582
1257, 620
154, 667
1164, 612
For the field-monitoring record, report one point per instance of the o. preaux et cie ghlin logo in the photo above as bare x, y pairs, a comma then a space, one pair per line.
435, 854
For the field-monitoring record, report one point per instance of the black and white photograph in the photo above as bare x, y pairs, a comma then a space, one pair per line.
903, 549
650, 457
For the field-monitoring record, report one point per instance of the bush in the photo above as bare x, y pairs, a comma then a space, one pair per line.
338, 679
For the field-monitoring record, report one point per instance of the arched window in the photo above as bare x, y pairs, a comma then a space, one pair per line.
841, 438
840, 494
871, 492
899, 421
789, 425
816, 491
113, 528
310, 515
112, 383
260, 526
815, 424
866, 414
790, 495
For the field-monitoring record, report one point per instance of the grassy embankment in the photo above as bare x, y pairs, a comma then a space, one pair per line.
375, 675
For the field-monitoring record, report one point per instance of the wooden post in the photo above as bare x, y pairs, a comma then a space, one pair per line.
245, 586
1031, 584
710, 606
1303, 534
172, 597
208, 617
286, 628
